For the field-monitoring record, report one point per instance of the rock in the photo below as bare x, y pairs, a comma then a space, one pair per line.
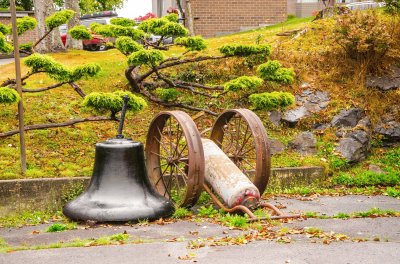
386, 82
293, 116
390, 131
375, 168
305, 143
365, 123
308, 102
355, 146
275, 117
348, 118
389, 127
276, 146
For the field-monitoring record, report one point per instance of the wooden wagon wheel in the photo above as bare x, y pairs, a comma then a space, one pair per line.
241, 135
175, 157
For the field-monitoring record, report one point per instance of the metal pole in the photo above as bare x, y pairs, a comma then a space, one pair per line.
19, 86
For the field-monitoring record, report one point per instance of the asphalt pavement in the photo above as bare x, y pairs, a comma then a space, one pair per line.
6, 61
371, 239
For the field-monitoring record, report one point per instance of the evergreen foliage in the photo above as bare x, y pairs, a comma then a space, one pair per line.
273, 71
58, 18
125, 22
45, 63
80, 32
5, 30
169, 94
172, 17
192, 43
153, 25
117, 31
244, 83
271, 101
26, 46
8, 96
245, 50
4, 46
84, 71
113, 101
25, 23
173, 29
149, 57
127, 45
57, 71
392, 6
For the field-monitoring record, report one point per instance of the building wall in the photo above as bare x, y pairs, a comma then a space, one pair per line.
291, 7
308, 8
217, 17
29, 36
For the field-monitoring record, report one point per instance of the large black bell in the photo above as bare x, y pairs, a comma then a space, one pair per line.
119, 190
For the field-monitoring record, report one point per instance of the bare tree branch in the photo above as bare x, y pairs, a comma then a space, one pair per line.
63, 124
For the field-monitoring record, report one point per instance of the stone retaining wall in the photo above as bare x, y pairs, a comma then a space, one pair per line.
49, 193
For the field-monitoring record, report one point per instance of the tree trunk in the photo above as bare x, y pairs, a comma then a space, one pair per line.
52, 42
74, 21
189, 18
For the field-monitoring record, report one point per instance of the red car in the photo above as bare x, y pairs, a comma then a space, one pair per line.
96, 43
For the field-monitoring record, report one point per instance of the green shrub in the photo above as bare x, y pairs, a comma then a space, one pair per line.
80, 32
5, 30
273, 71
88, 70
126, 45
149, 57
125, 22
117, 31
26, 46
169, 94
368, 178
172, 17
8, 96
392, 192
244, 83
192, 43
271, 101
173, 29
25, 23
38, 62
4, 46
58, 18
153, 25
392, 6
113, 101
245, 50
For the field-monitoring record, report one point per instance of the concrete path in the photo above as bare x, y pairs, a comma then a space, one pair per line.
171, 242
6, 61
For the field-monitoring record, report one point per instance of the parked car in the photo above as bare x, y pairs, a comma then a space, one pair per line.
97, 42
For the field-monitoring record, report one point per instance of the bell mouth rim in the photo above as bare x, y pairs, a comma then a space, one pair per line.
118, 142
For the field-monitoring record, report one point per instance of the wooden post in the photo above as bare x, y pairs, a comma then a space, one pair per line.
19, 86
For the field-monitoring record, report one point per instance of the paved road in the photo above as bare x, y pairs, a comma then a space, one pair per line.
168, 243
6, 61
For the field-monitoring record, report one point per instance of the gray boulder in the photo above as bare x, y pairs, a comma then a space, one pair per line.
275, 117
305, 143
348, 118
355, 146
386, 82
308, 102
390, 130
276, 146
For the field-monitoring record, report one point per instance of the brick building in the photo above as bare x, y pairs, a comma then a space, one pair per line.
219, 17
29, 36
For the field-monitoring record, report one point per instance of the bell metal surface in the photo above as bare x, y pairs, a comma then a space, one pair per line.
119, 189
